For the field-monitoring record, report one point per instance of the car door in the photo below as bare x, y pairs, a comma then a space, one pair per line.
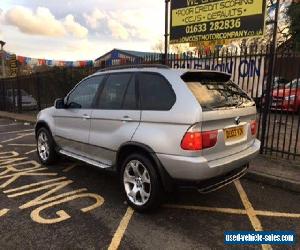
115, 118
72, 124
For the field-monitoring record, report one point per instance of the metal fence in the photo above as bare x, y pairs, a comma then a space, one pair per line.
249, 69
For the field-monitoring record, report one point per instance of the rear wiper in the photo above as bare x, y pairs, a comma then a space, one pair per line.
241, 103
207, 107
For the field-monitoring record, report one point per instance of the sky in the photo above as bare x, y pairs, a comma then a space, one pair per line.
79, 29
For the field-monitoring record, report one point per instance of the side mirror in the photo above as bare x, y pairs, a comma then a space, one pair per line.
59, 103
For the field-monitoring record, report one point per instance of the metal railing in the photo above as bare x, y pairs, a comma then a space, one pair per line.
248, 68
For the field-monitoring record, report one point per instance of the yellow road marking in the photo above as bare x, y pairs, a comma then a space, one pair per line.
233, 211
61, 214
19, 131
248, 206
23, 145
68, 169
3, 211
250, 210
33, 185
30, 152
209, 209
121, 230
277, 214
56, 186
11, 124
16, 138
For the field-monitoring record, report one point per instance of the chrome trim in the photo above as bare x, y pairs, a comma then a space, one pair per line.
223, 183
84, 159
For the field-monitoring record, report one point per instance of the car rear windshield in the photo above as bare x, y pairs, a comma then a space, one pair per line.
218, 94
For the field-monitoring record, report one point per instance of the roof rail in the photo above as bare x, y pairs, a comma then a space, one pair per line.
131, 66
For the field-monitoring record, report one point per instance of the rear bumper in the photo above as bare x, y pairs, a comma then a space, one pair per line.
198, 168
215, 183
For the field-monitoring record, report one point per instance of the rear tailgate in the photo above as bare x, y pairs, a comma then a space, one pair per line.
226, 108
234, 131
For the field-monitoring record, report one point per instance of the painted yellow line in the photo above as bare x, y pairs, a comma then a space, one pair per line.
3, 211
16, 138
30, 152
33, 185
19, 131
68, 169
208, 209
22, 145
233, 211
250, 211
248, 206
115, 243
277, 214
11, 124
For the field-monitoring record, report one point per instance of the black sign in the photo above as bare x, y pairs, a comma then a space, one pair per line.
206, 20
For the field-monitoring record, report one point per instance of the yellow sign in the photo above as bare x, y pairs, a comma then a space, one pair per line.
205, 20
216, 11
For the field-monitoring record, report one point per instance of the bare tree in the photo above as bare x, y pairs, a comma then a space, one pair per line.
159, 47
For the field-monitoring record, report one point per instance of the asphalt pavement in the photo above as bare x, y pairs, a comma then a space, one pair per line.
71, 205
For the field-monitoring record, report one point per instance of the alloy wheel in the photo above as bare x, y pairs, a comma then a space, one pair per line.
137, 182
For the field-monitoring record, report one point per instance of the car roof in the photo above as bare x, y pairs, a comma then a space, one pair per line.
179, 72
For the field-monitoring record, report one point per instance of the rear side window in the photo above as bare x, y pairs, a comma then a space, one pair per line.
155, 92
113, 92
217, 94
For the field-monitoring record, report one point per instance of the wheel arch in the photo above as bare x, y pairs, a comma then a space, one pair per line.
41, 124
136, 147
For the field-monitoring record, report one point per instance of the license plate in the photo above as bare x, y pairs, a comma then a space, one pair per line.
234, 133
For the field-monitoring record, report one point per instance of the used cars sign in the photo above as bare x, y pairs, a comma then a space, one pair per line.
205, 20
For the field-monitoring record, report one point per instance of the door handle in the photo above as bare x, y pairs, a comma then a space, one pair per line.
126, 118
86, 117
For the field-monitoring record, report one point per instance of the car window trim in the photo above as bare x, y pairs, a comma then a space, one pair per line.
134, 77
125, 92
99, 91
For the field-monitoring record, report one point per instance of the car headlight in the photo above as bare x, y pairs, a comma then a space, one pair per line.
291, 97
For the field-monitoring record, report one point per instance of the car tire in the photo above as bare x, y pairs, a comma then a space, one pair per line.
140, 183
46, 147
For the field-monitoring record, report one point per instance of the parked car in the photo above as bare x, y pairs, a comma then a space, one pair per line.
287, 98
28, 102
157, 127
279, 82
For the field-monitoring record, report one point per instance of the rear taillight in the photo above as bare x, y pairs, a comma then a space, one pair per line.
196, 140
253, 126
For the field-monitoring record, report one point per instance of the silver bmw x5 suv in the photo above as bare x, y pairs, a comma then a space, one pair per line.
157, 127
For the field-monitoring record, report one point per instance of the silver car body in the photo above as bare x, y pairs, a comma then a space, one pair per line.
95, 136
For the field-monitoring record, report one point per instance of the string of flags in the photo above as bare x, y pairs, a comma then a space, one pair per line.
51, 63
23, 60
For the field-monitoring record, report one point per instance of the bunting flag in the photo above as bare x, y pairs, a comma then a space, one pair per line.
51, 63
21, 59
42, 61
